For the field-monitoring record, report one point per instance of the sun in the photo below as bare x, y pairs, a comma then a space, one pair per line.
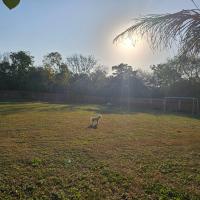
127, 43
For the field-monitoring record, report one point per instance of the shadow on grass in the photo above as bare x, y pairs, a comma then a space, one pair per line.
14, 107
125, 110
7, 108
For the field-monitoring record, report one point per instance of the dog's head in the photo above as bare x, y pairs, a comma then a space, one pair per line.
99, 116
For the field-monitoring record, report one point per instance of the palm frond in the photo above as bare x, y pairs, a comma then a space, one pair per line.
195, 4
163, 30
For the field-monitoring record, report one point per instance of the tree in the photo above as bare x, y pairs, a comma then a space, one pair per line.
165, 29
189, 66
165, 75
5, 72
38, 79
53, 61
177, 77
79, 64
99, 82
20, 63
62, 78
126, 83
80, 84
58, 71
14, 69
122, 70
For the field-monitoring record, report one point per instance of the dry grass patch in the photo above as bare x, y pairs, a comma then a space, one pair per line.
47, 152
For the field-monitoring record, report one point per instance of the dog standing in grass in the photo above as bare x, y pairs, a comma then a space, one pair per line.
94, 121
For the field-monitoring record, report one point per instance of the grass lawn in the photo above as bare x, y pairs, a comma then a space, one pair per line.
47, 152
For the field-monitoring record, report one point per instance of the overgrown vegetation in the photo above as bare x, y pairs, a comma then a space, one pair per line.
47, 152
83, 75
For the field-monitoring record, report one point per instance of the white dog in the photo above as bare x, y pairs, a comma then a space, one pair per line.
94, 120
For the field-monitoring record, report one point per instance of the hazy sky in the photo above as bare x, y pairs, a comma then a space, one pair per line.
82, 26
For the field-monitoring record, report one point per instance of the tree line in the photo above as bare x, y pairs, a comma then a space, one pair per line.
83, 75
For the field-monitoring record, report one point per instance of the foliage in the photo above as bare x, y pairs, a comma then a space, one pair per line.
165, 75
179, 76
126, 82
165, 29
53, 61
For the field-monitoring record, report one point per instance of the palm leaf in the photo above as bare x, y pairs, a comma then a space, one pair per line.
163, 30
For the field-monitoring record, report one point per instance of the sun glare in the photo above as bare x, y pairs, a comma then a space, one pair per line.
127, 43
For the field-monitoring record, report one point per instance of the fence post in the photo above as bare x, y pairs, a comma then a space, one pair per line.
179, 105
193, 106
164, 105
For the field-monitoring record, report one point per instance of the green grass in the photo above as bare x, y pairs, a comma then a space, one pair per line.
47, 152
